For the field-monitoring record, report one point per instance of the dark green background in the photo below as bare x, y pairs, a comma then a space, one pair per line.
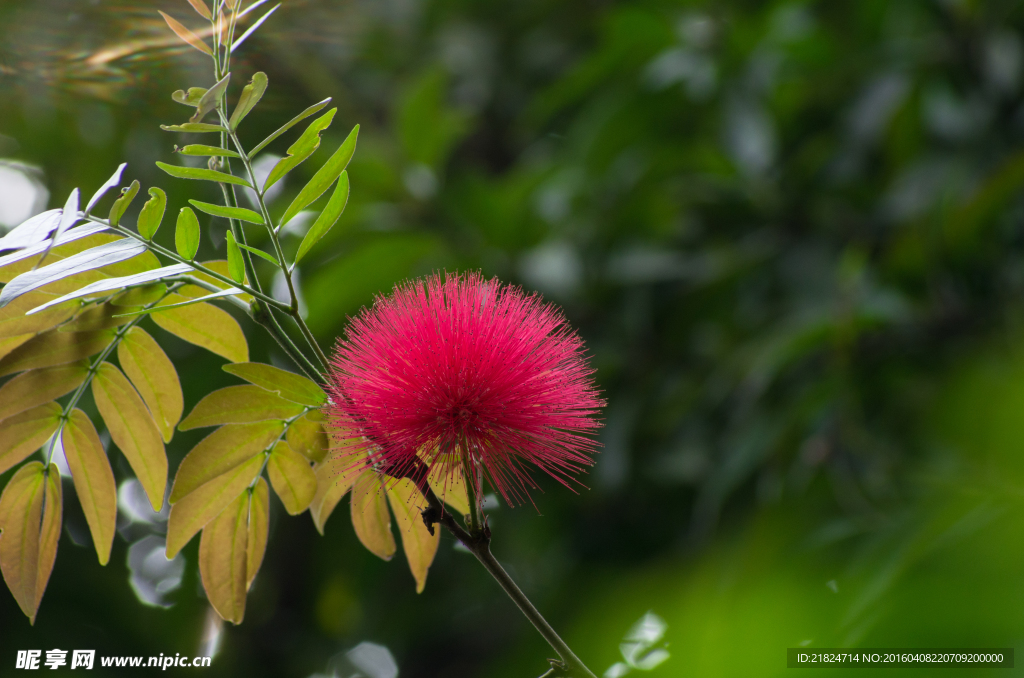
790, 233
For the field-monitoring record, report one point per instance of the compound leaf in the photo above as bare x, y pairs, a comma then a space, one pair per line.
288, 385
203, 325
239, 405
220, 453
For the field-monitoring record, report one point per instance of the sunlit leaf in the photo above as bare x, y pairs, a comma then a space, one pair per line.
370, 516
152, 213
324, 177
117, 283
328, 217
193, 128
154, 377
30, 515
221, 452
306, 436
132, 429
251, 95
203, 325
233, 291
201, 174
36, 387
200, 7
26, 432
185, 34
196, 509
8, 344
200, 150
32, 231
97, 257
239, 213
450, 487
315, 108
259, 527
252, 29
210, 99
94, 481
114, 180
186, 234
288, 385
292, 478
9, 262
191, 97
120, 205
223, 559
239, 405
68, 218
334, 477
419, 544
303, 147
54, 348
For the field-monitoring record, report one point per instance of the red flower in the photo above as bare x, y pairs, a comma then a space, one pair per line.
465, 371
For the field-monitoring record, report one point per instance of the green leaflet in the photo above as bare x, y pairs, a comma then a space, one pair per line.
201, 174
251, 95
199, 149
239, 213
315, 108
189, 98
186, 234
117, 210
327, 219
236, 267
303, 147
193, 128
288, 385
152, 213
239, 405
259, 253
210, 99
324, 177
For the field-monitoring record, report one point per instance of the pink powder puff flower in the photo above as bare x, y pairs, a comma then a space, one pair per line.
466, 373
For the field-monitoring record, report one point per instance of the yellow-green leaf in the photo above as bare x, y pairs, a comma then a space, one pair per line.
14, 322
239, 405
236, 267
198, 508
221, 452
132, 429
420, 546
49, 530
370, 516
193, 128
186, 234
153, 375
324, 177
292, 478
334, 477
152, 213
288, 385
259, 528
251, 95
220, 266
25, 433
450, 487
30, 512
240, 213
306, 436
197, 172
222, 559
303, 147
206, 151
54, 348
327, 219
35, 387
8, 344
203, 325
94, 481
120, 205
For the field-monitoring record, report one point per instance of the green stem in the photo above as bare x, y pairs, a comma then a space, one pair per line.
479, 544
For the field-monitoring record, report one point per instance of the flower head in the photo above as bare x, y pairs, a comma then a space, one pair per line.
465, 372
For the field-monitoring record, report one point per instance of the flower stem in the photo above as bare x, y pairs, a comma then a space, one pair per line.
479, 544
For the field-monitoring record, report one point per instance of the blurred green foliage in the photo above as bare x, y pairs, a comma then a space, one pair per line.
790, 233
